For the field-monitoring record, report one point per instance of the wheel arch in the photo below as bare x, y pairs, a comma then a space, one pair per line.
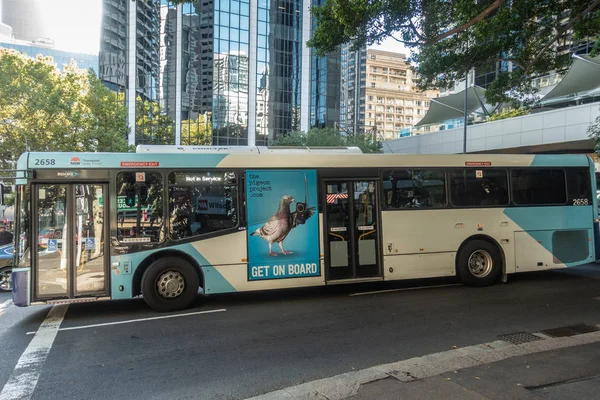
486, 238
136, 289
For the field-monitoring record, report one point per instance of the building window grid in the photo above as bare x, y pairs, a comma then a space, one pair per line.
279, 33
230, 73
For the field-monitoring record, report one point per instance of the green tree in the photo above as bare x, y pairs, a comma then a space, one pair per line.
447, 38
326, 137
594, 133
55, 110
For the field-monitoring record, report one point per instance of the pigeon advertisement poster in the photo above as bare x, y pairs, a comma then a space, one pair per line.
283, 224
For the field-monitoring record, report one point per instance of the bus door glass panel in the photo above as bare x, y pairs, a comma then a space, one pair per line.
53, 249
365, 229
338, 230
89, 239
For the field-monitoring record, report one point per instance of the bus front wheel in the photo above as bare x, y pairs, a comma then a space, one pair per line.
479, 263
170, 284
5, 283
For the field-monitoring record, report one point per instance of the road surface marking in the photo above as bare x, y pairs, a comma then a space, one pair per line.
24, 378
405, 289
4, 306
73, 328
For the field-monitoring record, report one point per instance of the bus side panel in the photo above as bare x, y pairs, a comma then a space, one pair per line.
597, 240
552, 237
423, 243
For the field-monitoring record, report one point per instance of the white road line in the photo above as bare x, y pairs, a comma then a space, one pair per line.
24, 378
73, 328
405, 289
4, 306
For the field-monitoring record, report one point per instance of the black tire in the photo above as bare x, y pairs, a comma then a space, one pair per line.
172, 272
5, 283
479, 253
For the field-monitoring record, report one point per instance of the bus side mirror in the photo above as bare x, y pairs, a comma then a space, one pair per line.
2, 193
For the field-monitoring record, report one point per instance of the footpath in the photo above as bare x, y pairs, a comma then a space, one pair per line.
563, 363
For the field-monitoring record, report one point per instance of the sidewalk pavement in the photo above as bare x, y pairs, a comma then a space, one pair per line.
567, 373
533, 366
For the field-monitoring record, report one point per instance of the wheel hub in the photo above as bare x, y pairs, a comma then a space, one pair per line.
5, 281
170, 284
480, 263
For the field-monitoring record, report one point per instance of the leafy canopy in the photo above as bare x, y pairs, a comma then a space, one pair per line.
447, 38
69, 110
329, 137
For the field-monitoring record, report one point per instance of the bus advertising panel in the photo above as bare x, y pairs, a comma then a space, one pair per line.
283, 230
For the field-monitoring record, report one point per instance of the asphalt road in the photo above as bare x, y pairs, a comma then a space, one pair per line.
271, 340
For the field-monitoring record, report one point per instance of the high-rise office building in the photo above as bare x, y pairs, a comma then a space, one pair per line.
352, 89
325, 78
226, 72
393, 104
378, 93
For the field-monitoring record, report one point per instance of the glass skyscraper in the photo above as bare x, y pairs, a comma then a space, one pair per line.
217, 72
325, 87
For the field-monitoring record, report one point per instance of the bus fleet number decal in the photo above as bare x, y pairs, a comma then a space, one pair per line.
45, 161
580, 202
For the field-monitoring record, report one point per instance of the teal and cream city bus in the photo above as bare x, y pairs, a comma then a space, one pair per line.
168, 222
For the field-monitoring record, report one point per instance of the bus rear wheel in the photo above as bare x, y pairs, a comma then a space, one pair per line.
170, 284
479, 263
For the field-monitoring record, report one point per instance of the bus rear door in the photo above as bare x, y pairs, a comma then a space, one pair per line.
351, 224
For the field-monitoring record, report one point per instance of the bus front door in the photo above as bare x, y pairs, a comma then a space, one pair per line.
351, 230
71, 259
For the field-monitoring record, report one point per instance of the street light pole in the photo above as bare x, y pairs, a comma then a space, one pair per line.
9, 123
465, 122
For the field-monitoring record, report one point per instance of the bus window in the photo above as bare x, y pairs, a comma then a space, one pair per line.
139, 207
479, 188
202, 202
538, 186
579, 186
414, 189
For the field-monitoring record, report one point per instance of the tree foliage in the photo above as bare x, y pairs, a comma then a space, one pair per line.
509, 113
69, 110
594, 133
327, 137
448, 38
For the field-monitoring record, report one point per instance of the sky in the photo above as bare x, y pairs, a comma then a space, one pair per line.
392, 45
75, 24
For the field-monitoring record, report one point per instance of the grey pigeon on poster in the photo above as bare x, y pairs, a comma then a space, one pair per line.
276, 229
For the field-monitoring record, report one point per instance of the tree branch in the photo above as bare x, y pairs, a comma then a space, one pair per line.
559, 34
492, 7
512, 60
414, 28
405, 42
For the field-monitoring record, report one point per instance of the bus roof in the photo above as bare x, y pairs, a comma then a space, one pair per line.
245, 149
285, 159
